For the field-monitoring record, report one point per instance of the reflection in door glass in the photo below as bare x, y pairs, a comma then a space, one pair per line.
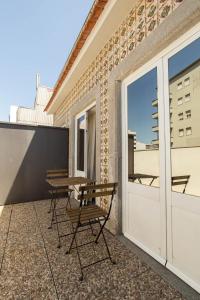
81, 126
143, 130
184, 91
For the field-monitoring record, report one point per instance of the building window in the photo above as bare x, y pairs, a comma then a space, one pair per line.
187, 81
188, 130
179, 85
188, 114
181, 132
187, 97
180, 101
180, 116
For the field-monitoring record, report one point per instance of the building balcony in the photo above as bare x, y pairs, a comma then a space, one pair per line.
155, 142
155, 115
155, 103
155, 128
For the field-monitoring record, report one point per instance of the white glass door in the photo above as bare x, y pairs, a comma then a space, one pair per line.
144, 210
161, 158
182, 99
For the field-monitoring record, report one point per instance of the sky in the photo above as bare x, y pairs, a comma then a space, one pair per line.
143, 91
36, 36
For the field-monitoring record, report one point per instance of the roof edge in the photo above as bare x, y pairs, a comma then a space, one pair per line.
91, 20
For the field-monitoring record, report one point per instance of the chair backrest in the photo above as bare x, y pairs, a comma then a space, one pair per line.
180, 180
50, 174
97, 190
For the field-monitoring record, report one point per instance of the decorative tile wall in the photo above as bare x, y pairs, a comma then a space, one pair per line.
141, 21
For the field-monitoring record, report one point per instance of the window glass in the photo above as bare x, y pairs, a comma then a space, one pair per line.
180, 116
180, 101
81, 126
187, 81
179, 85
188, 130
184, 67
188, 114
187, 97
143, 130
181, 132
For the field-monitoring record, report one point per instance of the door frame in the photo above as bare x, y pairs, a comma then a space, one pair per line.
82, 113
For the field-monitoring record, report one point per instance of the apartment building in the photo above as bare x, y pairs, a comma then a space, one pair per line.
185, 107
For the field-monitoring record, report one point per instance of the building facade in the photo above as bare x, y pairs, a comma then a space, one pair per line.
116, 84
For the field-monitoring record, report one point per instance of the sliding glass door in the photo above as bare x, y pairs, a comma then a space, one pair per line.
161, 158
183, 163
144, 222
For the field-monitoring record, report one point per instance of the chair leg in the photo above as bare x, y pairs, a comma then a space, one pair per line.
57, 227
50, 208
79, 259
92, 230
104, 238
53, 213
68, 200
101, 229
73, 238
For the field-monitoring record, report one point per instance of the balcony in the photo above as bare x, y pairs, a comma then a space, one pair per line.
155, 142
155, 103
155, 128
155, 115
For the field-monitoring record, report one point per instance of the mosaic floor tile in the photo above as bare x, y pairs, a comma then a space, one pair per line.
34, 268
5, 212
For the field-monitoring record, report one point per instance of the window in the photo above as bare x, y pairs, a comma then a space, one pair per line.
187, 97
180, 116
188, 114
179, 85
181, 132
180, 101
188, 130
187, 81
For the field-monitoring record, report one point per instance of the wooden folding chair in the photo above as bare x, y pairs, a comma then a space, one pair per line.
87, 215
56, 195
50, 174
181, 180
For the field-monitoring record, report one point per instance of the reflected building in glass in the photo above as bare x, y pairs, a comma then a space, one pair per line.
185, 107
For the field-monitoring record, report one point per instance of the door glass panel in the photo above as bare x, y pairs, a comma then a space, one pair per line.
143, 130
81, 127
184, 91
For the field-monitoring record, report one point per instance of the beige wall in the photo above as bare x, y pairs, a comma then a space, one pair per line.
104, 86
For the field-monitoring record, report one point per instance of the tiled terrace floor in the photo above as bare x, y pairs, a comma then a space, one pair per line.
33, 268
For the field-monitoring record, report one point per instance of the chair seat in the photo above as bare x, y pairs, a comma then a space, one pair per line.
87, 213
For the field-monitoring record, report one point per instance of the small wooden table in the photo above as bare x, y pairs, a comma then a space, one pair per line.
140, 176
57, 183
